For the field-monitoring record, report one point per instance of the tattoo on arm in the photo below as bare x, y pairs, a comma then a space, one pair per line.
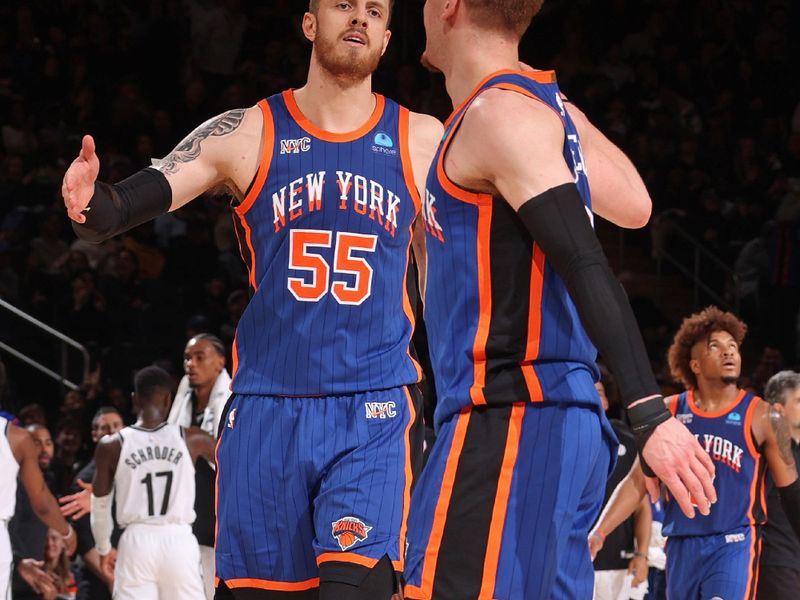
782, 436
189, 148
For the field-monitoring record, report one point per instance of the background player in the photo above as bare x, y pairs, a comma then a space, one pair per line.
149, 469
717, 555
19, 456
312, 491
779, 568
517, 472
200, 402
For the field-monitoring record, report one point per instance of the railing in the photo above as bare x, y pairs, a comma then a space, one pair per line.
65, 342
694, 271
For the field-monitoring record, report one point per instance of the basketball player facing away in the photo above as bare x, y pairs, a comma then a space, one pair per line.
19, 457
517, 473
717, 555
315, 456
149, 469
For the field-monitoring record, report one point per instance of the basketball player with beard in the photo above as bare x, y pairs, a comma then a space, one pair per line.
319, 441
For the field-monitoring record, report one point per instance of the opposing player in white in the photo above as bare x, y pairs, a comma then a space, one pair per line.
149, 469
18, 455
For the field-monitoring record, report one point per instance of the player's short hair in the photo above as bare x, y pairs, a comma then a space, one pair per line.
215, 342
779, 385
104, 410
313, 5
697, 328
150, 380
512, 16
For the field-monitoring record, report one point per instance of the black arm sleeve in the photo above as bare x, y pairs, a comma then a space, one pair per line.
790, 501
558, 223
116, 208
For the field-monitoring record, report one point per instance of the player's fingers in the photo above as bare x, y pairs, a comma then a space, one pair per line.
705, 460
84, 485
680, 494
696, 491
705, 479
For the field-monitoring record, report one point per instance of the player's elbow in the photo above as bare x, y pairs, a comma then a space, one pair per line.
637, 215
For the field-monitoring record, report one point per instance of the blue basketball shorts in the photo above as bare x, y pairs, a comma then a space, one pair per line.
504, 504
303, 481
721, 566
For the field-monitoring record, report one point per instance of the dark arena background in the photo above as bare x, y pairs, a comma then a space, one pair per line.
703, 95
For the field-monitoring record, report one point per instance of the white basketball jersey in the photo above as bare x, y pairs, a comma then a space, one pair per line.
9, 468
154, 483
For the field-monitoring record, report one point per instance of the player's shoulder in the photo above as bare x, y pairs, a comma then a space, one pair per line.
424, 130
510, 116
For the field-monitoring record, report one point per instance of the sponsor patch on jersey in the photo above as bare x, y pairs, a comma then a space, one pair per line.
348, 531
231, 418
296, 146
685, 418
381, 410
734, 419
734, 538
383, 144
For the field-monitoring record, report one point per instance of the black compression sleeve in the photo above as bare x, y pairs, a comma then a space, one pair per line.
790, 501
558, 223
116, 208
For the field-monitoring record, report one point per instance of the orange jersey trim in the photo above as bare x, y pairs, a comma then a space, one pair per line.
409, 312
748, 428
216, 493
442, 505
672, 404
485, 304
267, 144
405, 157
409, 475
717, 413
500, 508
353, 558
534, 325
276, 586
327, 136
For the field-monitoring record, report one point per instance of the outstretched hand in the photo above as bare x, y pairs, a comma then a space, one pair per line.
79, 504
677, 459
77, 187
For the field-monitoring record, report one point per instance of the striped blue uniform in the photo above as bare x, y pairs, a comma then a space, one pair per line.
523, 449
717, 555
315, 452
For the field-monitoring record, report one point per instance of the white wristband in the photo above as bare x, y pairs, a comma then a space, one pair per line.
102, 523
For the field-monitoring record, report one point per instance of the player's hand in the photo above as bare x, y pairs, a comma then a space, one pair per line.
79, 504
78, 185
32, 571
596, 542
638, 568
677, 459
108, 563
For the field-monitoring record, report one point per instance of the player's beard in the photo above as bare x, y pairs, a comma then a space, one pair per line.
343, 62
729, 380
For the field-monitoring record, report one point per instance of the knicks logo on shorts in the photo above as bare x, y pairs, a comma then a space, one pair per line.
348, 531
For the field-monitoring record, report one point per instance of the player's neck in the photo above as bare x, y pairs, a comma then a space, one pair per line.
150, 418
202, 395
713, 396
334, 104
479, 55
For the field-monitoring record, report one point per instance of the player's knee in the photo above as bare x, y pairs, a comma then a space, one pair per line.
346, 581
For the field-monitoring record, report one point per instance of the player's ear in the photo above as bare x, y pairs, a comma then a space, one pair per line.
386, 37
450, 8
694, 365
310, 26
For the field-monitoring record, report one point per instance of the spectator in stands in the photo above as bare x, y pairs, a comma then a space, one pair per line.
92, 582
28, 534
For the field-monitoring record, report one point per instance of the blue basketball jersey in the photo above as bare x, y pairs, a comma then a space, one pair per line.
501, 325
326, 233
727, 437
